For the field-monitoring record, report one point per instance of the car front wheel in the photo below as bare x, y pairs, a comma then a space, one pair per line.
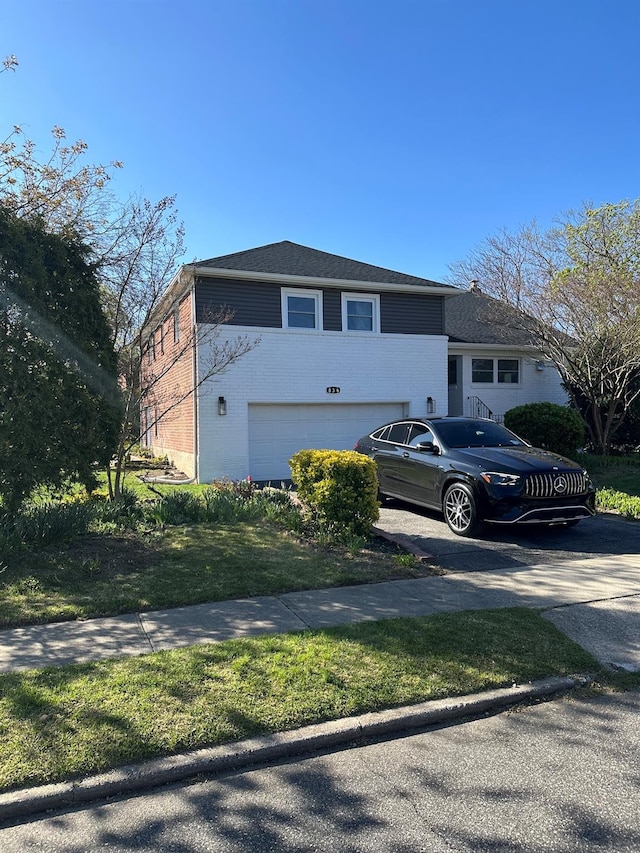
461, 510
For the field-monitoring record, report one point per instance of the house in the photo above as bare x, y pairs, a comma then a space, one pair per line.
338, 347
493, 362
335, 348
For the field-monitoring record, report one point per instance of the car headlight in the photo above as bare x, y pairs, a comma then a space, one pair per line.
496, 478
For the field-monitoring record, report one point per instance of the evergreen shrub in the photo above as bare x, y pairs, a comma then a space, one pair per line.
548, 425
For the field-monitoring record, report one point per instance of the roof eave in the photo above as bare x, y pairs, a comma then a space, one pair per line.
317, 281
467, 345
172, 294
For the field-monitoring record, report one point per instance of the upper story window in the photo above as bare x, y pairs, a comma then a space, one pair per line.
504, 371
302, 309
360, 312
176, 326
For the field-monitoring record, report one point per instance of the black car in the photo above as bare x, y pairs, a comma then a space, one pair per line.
475, 470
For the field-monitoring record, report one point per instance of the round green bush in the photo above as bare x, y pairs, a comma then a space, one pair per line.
547, 425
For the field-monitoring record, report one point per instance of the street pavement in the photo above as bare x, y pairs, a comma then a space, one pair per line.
558, 777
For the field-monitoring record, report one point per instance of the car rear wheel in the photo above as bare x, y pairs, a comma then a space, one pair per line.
461, 510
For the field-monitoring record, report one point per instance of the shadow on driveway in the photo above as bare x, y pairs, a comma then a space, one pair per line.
503, 547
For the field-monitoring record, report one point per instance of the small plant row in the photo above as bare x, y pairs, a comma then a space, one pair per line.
327, 517
42, 524
609, 500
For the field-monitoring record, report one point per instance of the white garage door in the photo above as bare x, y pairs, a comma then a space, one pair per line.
277, 432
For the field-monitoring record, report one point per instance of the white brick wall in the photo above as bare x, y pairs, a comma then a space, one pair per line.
290, 367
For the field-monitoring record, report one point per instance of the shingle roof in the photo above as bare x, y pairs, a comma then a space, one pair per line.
288, 258
475, 318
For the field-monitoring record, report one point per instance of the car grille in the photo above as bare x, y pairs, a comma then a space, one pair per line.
556, 485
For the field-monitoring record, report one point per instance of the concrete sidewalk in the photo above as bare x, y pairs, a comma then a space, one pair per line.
594, 601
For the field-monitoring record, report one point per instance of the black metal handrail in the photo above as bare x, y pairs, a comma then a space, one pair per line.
479, 409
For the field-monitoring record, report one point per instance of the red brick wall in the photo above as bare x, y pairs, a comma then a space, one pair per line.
170, 363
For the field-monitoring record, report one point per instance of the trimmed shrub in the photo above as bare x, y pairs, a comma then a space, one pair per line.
548, 425
340, 489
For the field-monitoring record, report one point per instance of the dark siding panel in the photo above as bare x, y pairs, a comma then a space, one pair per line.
411, 314
256, 303
332, 310
253, 303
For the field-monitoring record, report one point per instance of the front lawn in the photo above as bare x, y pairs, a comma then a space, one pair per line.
59, 723
618, 473
110, 573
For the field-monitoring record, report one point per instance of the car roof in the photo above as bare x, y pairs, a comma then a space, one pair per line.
434, 420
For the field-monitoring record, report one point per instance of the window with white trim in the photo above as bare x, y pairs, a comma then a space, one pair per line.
302, 309
482, 370
508, 371
360, 312
491, 371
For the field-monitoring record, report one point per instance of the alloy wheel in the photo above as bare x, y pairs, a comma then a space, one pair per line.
459, 510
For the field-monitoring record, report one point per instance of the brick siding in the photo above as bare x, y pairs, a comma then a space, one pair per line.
173, 434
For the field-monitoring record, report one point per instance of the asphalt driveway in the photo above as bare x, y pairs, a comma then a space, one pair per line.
502, 547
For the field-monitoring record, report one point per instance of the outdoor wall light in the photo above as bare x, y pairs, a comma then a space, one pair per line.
539, 365
222, 406
431, 405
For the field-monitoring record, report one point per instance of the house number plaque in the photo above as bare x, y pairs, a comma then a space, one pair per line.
333, 389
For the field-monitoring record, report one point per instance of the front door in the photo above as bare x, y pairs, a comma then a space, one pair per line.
456, 396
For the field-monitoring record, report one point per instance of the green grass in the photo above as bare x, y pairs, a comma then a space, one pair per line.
619, 473
143, 491
103, 574
59, 723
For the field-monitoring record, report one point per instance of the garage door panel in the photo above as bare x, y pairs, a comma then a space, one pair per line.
276, 432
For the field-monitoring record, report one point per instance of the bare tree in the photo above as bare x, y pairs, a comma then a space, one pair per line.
151, 370
575, 289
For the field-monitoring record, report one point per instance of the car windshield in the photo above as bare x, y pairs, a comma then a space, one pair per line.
473, 433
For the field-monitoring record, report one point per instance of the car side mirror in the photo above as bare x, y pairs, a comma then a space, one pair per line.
428, 447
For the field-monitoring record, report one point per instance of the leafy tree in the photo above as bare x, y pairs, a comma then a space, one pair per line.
576, 290
59, 400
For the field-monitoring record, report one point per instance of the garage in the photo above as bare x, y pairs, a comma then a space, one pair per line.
276, 432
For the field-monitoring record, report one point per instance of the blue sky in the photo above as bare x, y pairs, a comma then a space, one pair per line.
400, 133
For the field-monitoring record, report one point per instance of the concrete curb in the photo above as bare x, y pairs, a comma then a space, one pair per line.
404, 542
261, 750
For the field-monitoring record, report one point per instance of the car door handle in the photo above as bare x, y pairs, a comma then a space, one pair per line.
405, 455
